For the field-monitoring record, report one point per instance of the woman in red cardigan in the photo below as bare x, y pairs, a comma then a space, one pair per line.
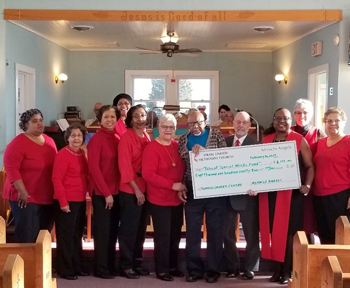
104, 189
70, 179
332, 179
281, 212
163, 170
133, 216
303, 112
28, 162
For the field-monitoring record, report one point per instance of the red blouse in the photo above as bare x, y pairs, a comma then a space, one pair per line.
332, 167
120, 128
160, 174
24, 159
70, 176
130, 160
104, 174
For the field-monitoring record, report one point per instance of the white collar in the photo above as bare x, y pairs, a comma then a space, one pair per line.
241, 140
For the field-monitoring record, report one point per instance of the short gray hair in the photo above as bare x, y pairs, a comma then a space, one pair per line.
304, 103
168, 117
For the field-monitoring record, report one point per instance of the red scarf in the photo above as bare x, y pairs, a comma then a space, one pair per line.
274, 247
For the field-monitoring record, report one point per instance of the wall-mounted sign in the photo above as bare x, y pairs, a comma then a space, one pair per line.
316, 49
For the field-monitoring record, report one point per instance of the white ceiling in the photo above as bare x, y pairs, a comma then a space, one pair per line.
207, 36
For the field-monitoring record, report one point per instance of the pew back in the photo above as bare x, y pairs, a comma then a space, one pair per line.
12, 272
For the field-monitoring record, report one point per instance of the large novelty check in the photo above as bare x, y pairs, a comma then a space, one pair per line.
235, 170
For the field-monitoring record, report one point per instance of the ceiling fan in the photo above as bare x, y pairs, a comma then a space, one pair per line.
170, 47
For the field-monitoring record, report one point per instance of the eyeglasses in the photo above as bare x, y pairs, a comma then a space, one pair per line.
164, 127
141, 116
280, 118
76, 135
300, 113
331, 122
126, 103
241, 122
198, 123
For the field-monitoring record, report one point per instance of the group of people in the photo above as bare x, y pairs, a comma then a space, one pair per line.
130, 176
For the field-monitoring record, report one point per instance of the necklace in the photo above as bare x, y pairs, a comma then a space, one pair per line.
171, 158
75, 154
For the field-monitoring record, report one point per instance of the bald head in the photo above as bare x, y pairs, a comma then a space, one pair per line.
241, 124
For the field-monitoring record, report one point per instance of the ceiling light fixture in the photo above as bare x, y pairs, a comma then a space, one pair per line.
61, 77
169, 38
82, 28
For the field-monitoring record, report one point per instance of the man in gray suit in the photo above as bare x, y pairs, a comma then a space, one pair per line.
247, 207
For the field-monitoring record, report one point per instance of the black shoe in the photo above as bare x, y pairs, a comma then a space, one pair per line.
70, 277
232, 273
176, 273
165, 277
82, 273
129, 273
284, 279
141, 271
275, 277
211, 278
193, 278
248, 275
103, 275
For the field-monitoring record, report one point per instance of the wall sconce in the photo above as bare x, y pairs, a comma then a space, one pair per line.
61, 77
280, 77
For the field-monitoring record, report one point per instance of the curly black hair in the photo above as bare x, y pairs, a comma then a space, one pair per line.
104, 108
26, 116
131, 111
75, 126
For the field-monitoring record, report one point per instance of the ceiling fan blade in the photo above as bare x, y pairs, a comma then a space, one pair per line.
151, 50
190, 50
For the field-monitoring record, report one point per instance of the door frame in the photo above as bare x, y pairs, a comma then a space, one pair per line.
29, 87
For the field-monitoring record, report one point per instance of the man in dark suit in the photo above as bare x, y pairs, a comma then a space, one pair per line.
247, 207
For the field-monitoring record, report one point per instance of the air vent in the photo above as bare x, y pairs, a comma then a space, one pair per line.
263, 29
82, 28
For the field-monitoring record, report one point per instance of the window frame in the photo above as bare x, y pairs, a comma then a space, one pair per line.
172, 88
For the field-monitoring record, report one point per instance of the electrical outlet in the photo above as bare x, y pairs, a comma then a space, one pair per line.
330, 91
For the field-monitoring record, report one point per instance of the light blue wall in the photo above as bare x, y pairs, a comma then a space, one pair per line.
295, 59
47, 59
244, 77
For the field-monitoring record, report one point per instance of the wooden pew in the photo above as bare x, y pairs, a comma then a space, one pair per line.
342, 231
37, 258
332, 274
307, 261
12, 273
2, 230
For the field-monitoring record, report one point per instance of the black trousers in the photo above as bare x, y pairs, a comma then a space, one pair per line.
106, 227
30, 220
69, 233
214, 209
132, 232
167, 222
327, 211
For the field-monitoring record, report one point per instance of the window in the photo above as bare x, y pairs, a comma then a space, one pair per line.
189, 89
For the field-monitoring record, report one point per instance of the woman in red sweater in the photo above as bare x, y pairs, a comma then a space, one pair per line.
332, 179
163, 170
104, 188
303, 112
70, 179
122, 102
28, 162
133, 216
